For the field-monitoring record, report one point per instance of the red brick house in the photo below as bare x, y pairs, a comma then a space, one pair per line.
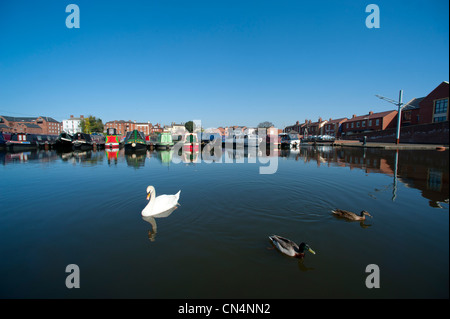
434, 107
32, 125
334, 127
410, 112
370, 122
122, 127
313, 128
297, 127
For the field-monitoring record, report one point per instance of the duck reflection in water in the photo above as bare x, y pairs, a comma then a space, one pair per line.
151, 220
302, 266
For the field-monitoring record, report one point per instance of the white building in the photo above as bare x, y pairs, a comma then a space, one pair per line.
72, 125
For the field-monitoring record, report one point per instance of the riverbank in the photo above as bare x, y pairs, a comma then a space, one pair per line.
392, 146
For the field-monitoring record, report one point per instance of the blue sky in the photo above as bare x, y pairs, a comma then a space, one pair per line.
222, 62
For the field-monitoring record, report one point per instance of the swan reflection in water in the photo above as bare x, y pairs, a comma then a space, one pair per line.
151, 220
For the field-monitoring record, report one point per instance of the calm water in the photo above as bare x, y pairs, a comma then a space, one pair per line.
85, 209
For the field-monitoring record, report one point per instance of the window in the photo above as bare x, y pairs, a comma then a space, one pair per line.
357, 124
363, 124
440, 106
352, 124
434, 179
370, 122
440, 110
347, 125
438, 119
377, 122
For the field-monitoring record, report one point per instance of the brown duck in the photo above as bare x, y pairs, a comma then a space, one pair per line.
351, 216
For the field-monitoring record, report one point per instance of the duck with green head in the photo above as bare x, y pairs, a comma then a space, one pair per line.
289, 248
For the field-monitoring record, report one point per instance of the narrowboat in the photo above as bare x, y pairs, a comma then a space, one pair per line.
112, 139
43, 141
64, 141
135, 141
164, 141
20, 142
190, 142
4, 137
98, 141
82, 141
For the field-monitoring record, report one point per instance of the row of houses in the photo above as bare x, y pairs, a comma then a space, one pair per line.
432, 108
32, 125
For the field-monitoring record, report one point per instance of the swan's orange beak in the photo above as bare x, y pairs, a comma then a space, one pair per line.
148, 195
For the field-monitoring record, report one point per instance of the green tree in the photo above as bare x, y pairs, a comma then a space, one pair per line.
91, 124
189, 126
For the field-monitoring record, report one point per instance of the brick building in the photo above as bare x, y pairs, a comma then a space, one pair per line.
410, 112
313, 128
433, 108
122, 127
297, 127
370, 122
32, 125
334, 127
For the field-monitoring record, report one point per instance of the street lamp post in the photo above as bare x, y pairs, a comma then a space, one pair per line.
400, 107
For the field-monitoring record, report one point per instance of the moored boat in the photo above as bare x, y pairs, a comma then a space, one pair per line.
82, 141
43, 141
4, 137
64, 141
190, 142
164, 141
289, 140
112, 139
135, 141
20, 142
98, 141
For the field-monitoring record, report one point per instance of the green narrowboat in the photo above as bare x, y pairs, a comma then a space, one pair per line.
164, 141
135, 141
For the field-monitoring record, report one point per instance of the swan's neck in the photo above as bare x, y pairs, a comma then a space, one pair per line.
151, 202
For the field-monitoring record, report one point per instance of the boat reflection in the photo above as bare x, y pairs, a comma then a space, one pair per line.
151, 220
136, 159
425, 170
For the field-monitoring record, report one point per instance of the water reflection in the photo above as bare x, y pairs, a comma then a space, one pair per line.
136, 159
151, 220
425, 170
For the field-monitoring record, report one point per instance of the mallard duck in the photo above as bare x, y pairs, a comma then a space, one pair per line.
160, 204
288, 247
351, 216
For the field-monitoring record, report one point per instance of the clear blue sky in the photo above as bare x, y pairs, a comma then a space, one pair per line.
222, 62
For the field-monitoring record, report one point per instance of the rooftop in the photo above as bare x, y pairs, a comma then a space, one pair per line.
371, 116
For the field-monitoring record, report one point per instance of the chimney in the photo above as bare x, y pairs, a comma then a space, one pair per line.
353, 116
296, 123
71, 116
329, 119
306, 121
81, 116
370, 113
320, 119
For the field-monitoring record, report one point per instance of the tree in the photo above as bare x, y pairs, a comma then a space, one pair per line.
189, 126
91, 124
265, 124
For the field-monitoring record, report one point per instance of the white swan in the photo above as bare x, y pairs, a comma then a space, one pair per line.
160, 204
